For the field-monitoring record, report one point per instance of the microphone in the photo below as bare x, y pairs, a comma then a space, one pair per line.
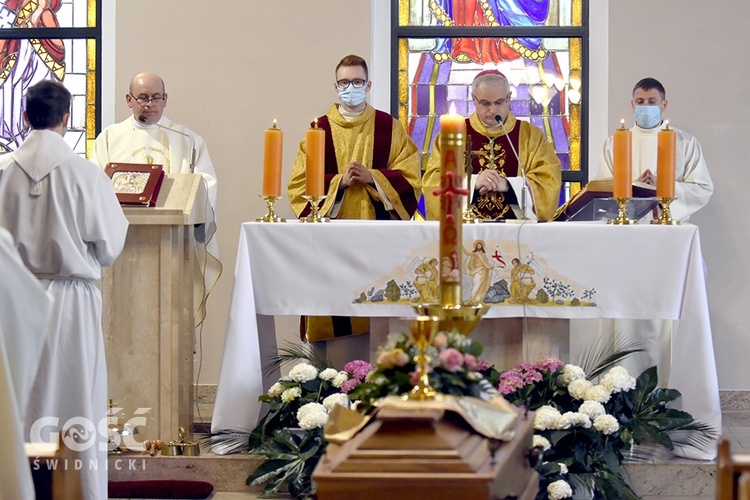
142, 119
500, 120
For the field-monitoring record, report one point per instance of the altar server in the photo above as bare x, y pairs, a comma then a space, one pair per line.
24, 309
67, 223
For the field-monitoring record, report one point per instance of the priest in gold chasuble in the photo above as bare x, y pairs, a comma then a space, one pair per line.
496, 141
372, 172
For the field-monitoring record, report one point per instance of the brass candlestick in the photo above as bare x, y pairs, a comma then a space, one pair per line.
270, 215
622, 217
423, 330
666, 216
314, 210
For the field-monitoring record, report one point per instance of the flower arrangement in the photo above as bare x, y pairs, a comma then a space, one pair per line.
454, 365
290, 435
584, 424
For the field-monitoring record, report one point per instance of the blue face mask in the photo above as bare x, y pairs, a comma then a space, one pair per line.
353, 97
647, 116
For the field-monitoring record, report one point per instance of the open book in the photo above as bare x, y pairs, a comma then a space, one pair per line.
580, 206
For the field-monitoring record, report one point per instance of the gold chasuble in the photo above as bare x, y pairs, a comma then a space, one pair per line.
490, 149
379, 142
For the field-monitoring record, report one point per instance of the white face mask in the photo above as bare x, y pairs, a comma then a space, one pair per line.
353, 97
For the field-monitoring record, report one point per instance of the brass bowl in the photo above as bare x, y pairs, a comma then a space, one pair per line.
191, 449
171, 449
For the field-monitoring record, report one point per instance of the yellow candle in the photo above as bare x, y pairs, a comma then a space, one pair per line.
665, 164
622, 157
272, 151
315, 143
452, 136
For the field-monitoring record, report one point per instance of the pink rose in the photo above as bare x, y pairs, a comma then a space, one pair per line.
452, 359
472, 364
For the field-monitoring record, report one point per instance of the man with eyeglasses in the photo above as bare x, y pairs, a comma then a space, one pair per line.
372, 170
515, 171
148, 136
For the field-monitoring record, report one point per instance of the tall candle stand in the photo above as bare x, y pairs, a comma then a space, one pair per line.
423, 331
270, 215
314, 216
666, 216
622, 216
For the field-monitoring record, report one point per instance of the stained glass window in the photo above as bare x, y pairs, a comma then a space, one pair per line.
539, 45
49, 39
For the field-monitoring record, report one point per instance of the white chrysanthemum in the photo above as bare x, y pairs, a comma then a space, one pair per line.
592, 408
276, 390
339, 379
541, 442
575, 419
291, 394
569, 374
578, 387
312, 415
563, 468
328, 374
303, 372
559, 490
598, 393
618, 379
606, 424
547, 417
336, 399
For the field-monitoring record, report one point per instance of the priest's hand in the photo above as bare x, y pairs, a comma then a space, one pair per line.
489, 181
647, 177
359, 173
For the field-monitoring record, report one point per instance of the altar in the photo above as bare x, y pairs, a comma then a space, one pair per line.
536, 270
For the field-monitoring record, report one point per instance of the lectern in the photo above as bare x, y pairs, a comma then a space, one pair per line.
148, 311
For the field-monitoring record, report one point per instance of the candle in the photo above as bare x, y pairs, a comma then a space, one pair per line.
452, 136
623, 170
274, 138
665, 164
315, 142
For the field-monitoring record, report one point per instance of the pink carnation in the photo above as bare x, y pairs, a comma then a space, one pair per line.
452, 359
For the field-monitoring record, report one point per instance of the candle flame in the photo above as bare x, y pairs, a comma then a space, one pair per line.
315, 123
452, 109
622, 123
274, 123
667, 125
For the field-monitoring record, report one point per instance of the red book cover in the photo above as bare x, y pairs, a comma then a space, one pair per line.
136, 183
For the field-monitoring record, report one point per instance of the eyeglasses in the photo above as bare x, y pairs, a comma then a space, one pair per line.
356, 83
487, 104
148, 100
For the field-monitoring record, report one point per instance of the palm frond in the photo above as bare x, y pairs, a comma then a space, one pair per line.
598, 357
290, 352
228, 442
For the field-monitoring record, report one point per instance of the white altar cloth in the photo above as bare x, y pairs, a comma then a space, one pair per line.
587, 270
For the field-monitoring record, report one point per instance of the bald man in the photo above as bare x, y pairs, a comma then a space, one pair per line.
148, 136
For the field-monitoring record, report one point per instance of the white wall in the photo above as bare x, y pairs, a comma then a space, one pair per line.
232, 67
